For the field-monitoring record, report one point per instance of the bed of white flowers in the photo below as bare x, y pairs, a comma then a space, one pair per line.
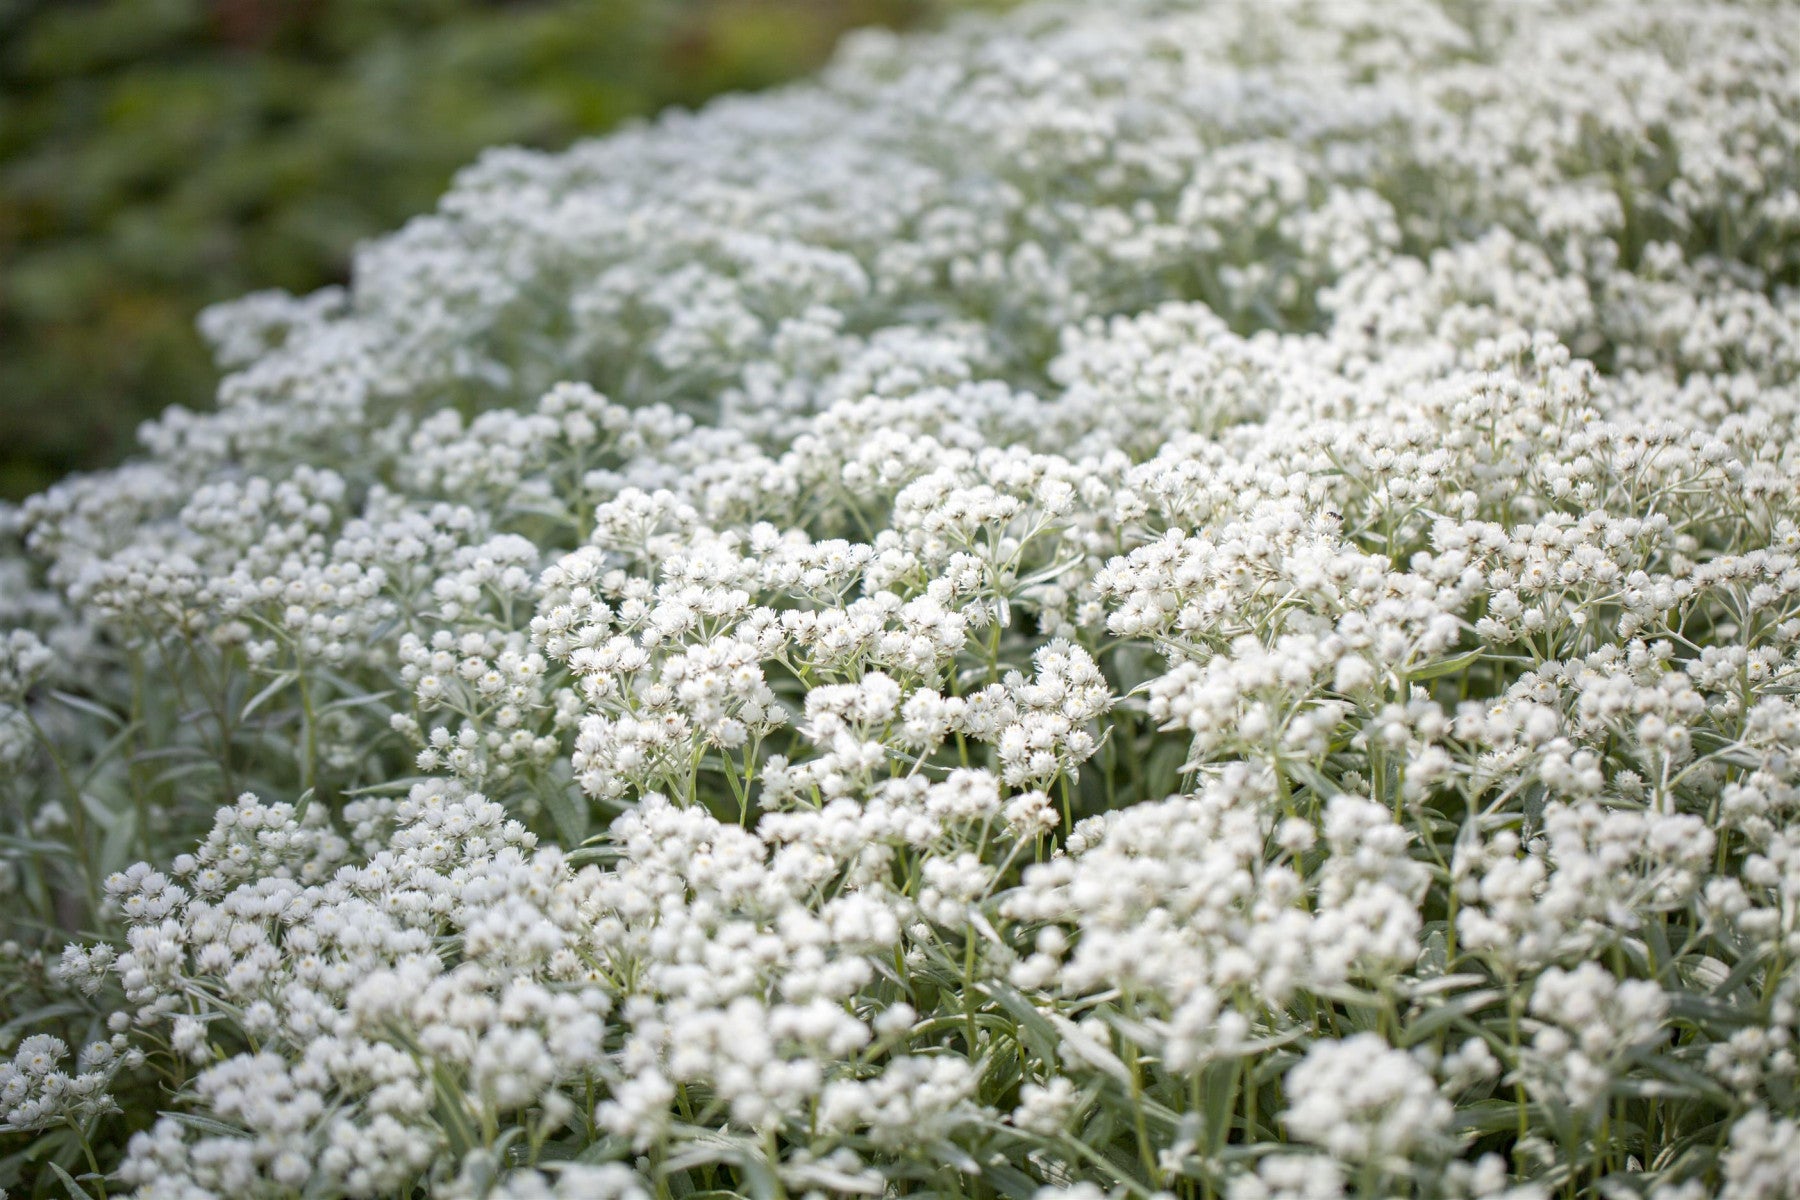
1136, 599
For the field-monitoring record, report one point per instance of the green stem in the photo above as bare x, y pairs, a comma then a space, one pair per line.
1146, 1152
87, 1150
309, 763
77, 815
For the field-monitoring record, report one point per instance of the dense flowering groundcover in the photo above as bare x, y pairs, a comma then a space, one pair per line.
1140, 598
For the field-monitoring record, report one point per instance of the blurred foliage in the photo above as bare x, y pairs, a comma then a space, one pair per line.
159, 155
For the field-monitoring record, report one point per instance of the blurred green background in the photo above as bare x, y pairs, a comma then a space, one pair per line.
159, 155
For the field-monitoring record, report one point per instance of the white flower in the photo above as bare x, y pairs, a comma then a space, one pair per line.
1364, 1102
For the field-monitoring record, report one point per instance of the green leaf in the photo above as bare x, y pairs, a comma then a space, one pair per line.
1043, 1037
389, 788
1446, 666
1688, 1080
367, 698
1010, 1182
116, 850
158, 753
105, 753
1219, 1082
760, 1180
38, 1016
1444, 1015
35, 846
268, 693
451, 1116
205, 1125
569, 811
1162, 772
89, 707
949, 1152
97, 808
1709, 1012
1488, 1116
703, 1146
76, 1191
1536, 797
610, 1148
1098, 1132
183, 771
1315, 781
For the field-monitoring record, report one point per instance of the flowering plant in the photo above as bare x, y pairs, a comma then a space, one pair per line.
1134, 599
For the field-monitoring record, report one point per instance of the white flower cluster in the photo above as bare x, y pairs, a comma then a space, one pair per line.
38, 1093
1160, 597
